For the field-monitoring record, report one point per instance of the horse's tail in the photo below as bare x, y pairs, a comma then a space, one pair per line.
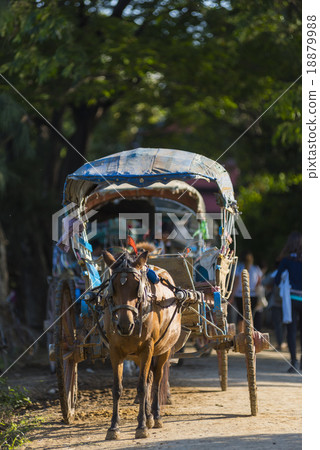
164, 393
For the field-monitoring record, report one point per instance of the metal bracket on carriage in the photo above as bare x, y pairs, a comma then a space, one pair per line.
77, 353
188, 297
80, 352
95, 297
261, 342
185, 297
90, 296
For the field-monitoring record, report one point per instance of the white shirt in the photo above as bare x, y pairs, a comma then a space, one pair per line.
254, 274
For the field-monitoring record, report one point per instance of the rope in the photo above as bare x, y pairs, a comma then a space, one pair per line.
97, 321
174, 289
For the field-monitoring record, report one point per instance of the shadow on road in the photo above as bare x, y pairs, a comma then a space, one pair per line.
271, 369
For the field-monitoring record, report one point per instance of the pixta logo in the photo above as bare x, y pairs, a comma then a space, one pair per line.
179, 225
68, 222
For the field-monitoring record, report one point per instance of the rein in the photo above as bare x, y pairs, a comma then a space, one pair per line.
174, 289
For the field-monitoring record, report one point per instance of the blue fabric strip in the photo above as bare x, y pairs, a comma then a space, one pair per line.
94, 275
85, 244
296, 297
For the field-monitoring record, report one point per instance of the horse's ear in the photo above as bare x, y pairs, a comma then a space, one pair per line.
108, 258
141, 260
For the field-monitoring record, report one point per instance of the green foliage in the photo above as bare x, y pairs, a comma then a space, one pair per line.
12, 398
271, 205
13, 428
113, 75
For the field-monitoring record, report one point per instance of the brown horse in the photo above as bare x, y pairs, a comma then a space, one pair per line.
141, 322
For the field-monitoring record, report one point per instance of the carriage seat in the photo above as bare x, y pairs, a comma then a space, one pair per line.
176, 267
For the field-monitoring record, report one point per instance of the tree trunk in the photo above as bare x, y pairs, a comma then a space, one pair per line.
84, 119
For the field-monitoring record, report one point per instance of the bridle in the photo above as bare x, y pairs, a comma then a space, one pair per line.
143, 306
142, 294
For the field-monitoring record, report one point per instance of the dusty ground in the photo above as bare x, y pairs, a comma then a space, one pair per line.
201, 415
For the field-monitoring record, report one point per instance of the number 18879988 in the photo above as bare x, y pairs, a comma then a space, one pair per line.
311, 44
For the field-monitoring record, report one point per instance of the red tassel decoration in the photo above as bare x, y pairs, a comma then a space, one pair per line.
132, 244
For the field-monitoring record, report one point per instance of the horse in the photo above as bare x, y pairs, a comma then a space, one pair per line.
142, 323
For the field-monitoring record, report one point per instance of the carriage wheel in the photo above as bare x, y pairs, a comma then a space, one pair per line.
50, 317
65, 338
250, 348
223, 368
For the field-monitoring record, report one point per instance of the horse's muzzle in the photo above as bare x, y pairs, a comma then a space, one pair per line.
125, 330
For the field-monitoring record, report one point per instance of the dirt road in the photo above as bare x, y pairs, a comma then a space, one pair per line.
201, 416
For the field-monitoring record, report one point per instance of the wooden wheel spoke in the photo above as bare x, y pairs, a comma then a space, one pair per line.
67, 332
65, 340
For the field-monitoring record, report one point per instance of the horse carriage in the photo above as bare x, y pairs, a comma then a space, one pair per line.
176, 296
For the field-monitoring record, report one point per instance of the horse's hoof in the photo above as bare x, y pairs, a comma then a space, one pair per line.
150, 422
158, 423
141, 433
112, 435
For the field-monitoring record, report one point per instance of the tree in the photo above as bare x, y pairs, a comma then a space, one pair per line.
112, 75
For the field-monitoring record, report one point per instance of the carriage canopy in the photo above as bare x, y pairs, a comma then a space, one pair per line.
175, 190
142, 167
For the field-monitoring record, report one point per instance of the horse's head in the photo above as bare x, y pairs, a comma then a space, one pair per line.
126, 289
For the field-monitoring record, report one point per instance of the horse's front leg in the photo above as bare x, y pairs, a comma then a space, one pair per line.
145, 362
157, 377
117, 365
150, 421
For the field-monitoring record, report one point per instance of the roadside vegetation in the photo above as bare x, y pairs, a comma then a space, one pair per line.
15, 421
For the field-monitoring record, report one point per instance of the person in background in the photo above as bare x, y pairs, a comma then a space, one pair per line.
166, 244
255, 275
291, 261
275, 305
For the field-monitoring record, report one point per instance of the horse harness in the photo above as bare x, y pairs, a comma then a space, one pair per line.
144, 306
144, 291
